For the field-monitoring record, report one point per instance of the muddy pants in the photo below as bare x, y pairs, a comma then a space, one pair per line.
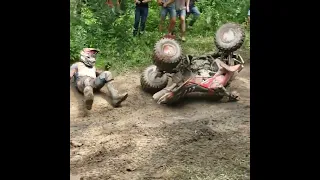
96, 83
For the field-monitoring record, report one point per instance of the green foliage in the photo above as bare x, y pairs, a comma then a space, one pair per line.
95, 24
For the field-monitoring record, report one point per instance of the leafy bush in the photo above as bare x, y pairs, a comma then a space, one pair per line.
95, 24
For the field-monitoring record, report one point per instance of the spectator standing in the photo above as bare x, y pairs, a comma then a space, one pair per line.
115, 9
182, 7
194, 11
167, 6
141, 14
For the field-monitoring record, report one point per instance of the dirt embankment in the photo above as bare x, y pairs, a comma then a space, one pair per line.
144, 140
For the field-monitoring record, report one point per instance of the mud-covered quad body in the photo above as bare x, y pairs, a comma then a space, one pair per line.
170, 66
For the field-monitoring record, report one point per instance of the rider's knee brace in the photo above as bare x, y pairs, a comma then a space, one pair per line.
103, 78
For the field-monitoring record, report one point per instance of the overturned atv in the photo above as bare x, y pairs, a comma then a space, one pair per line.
209, 74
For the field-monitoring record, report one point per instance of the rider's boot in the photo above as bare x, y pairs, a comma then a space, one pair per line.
88, 97
227, 96
115, 96
159, 94
234, 96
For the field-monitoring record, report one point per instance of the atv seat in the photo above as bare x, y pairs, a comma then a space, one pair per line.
228, 68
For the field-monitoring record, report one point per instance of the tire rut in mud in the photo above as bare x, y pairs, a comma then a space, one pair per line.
143, 140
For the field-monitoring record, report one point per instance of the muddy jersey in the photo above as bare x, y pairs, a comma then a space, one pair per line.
83, 70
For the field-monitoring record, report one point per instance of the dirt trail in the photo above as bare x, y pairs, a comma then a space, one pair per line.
144, 140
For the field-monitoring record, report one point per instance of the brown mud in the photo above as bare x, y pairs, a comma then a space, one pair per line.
199, 139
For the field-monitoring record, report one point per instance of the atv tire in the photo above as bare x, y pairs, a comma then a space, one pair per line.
229, 37
167, 54
150, 82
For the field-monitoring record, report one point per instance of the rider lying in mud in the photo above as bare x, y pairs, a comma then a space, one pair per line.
89, 79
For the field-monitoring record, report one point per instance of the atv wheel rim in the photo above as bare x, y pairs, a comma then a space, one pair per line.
228, 36
169, 50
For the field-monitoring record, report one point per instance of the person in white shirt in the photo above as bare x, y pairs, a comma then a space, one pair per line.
89, 79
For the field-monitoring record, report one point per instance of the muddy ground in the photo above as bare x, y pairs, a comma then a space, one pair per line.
143, 140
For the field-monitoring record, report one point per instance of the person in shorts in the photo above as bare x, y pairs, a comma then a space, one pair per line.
182, 7
167, 7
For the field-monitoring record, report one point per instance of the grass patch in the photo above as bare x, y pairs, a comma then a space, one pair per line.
93, 24
195, 45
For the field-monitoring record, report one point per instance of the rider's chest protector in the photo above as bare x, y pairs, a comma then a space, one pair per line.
83, 70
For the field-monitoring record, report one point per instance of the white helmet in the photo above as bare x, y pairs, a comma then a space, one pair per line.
88, 56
